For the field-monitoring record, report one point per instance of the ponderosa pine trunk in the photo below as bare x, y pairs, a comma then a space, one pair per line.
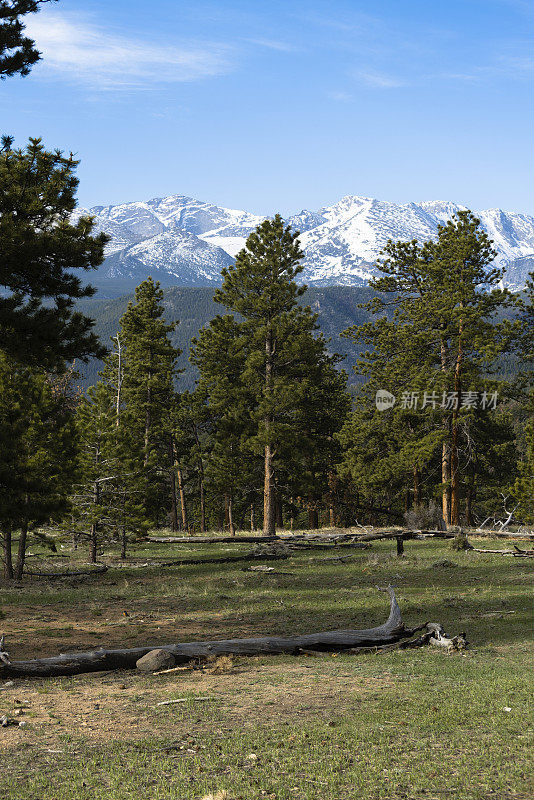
179, 475
174, 498
202, 500
269, 521
118, 398
416, 487
231, 526
93, 536
455, 461
269, 518
148, 417
252, 517
93, 543
313, 515
446, 454
183, 505
332, 494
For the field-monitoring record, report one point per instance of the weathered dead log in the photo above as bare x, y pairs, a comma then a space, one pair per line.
211, 539
97, 570
389, 632
516, 552
440, 639
331, 536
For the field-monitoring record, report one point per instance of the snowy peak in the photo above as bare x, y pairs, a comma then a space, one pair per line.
183, 241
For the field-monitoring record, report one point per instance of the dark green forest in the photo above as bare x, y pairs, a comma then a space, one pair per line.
338, 308
260, 406
193, 308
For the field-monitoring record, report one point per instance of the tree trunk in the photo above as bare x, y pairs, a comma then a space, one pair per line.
124, 541
231, 526
8, 556
119, 380
445, 479
269, 520
93, 539
183, 505
333, 484
331, 514
93, 536
455, 461
202, 498
416, 487
446, 452
469, 500
148, 418
75, 663
21, 552
174, 500
313, 515
252, 517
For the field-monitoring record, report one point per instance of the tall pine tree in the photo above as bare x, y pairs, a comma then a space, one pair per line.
41, 250
443, 336
147, 390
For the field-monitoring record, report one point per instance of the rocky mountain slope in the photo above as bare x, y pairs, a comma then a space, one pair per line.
185, 242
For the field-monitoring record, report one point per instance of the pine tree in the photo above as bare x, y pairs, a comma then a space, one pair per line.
38, 450
147, 390
284, 363
523, 489
220, 353
17, 52
40, 245
108, 501
194, 430
443, 335
260, 286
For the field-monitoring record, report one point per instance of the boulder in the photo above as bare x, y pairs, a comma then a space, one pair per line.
156, 660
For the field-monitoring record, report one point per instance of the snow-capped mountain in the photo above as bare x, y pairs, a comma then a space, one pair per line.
182, 241
174, 257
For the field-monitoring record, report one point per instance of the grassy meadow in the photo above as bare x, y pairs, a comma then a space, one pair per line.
406, 725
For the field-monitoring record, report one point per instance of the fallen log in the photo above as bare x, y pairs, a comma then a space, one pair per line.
334, 536
97, 570
389, 632
440, 639
211, 539
516, 552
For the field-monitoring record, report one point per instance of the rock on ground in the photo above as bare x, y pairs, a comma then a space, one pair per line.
156, 660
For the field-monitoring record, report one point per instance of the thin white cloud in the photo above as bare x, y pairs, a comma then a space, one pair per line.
83, 52
379, 80
273, 44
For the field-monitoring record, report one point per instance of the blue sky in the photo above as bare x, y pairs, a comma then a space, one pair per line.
281, 106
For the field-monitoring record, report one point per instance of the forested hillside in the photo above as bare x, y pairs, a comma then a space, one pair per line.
194, 307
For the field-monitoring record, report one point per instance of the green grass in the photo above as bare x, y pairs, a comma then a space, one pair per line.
410, 725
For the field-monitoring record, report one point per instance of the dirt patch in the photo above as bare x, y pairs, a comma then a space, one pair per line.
104, 707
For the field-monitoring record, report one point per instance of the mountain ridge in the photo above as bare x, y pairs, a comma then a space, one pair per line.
183, 241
